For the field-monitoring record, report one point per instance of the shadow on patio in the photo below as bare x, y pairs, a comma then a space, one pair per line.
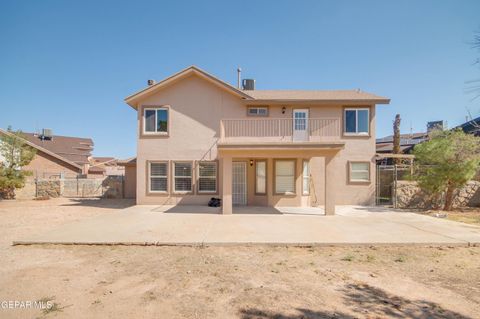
101, 202
240, 210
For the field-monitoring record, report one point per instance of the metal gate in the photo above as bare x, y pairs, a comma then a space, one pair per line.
386, 183
239, 183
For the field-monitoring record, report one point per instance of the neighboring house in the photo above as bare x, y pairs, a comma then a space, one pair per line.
59, 156
471, 126
109, 165
200, 137
407, 142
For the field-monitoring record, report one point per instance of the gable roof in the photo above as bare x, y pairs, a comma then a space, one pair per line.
338, 96
45, 150
132, 99
74, 149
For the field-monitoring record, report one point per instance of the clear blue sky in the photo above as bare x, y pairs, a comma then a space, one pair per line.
67, 65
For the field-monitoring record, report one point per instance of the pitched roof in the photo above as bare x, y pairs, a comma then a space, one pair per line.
46, 151
314, 95
128, 162
74, 149
344, 96
407, 142
132, 99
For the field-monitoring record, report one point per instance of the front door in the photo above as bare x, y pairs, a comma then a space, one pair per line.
239, 183
300, 125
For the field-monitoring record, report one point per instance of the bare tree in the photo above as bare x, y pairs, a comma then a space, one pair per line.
474, 85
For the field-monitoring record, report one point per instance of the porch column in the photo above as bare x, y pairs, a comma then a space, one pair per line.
330, 184
227, 185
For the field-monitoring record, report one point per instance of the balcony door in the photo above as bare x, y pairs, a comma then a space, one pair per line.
300, 125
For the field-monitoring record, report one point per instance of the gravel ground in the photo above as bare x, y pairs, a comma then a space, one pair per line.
225, 282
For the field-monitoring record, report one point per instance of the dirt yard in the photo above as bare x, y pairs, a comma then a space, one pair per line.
226, 282
469, 215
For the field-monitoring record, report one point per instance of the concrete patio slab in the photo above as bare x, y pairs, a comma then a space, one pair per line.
195, 225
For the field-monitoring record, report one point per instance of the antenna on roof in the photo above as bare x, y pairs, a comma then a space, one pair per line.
239, 77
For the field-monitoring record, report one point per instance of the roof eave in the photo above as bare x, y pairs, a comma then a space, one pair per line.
44, 150
324, 101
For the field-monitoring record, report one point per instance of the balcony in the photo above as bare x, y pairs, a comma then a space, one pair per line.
279, 130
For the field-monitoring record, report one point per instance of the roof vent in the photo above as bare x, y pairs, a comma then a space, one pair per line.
248, 84
150, 82
47, 134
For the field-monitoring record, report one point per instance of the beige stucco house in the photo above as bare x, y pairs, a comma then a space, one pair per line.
199, 137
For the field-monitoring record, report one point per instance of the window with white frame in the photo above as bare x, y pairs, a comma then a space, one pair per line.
155, 120
257, 111
182, 179
357, 121
359, 171
158, 177
207, 177
261, 177
285, 177
306, 178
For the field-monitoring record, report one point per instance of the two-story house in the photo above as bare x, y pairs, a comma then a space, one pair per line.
200, 137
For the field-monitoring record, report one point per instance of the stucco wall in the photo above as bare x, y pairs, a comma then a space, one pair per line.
130, 181
45, 166
196, 108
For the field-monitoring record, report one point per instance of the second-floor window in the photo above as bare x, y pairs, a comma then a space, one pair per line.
257, 111
155, 120
356, 121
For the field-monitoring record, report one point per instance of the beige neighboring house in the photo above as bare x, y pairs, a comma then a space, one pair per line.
108, 164
200, 137
60, 156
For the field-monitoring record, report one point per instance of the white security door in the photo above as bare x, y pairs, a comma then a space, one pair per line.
300, 125
239, 183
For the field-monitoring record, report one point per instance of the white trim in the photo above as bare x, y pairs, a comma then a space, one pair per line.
257, 108
207, 177
307, 177
356, 133
175, 178
144, 122
360, 171
157, 176
263, 161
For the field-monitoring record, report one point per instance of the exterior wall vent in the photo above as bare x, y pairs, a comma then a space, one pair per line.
248, 84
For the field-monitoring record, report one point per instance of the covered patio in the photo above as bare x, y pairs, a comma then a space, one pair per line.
249, 153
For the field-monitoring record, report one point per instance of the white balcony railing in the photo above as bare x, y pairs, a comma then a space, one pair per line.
278, 130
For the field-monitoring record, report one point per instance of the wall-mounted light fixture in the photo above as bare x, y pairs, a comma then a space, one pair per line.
251, 162
283, 110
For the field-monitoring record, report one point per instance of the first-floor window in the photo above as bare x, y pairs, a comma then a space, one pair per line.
285, 176
158, 177
306, 177
261, 177
182, 177
207, 177
359, 171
